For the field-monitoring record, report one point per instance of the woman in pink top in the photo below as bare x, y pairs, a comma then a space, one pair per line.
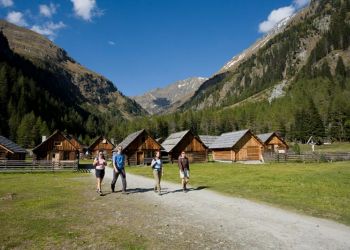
99, 164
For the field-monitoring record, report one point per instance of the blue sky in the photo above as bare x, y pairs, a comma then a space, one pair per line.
144, 44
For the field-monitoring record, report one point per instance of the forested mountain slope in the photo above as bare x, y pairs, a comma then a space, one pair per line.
40, 84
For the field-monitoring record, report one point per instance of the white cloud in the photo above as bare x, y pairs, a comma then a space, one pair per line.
275, 17
17, 18
49, 29
47, 10
6, 3
86, 9
301, 3
111, 43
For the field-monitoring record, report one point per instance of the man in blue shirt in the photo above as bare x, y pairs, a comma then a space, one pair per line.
118, 161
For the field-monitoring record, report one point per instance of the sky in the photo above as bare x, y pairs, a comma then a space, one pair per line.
144, 44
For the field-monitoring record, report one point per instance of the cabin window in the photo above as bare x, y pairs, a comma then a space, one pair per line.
104, 141
57, 143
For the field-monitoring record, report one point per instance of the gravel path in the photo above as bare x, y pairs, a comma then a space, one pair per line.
206, 219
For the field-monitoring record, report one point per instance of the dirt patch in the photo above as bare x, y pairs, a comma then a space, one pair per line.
8, 197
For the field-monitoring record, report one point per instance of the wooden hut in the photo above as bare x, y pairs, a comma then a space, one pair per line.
186, 141
10, 150
102, 143
273, 142
237, 146
77, 143
139, 148
57, 147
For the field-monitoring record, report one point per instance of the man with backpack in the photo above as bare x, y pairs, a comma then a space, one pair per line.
118, 161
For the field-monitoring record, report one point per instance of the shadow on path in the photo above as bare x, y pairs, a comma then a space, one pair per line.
188, 190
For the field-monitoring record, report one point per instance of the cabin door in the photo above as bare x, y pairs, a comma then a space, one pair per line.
140, 158
55, 156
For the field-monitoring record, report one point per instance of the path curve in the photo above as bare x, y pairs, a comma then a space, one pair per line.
238, 223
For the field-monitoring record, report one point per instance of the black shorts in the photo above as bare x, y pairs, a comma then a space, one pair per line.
100, 173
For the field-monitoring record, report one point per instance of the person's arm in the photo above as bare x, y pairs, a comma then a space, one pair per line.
95, 162
113, 161
153, 163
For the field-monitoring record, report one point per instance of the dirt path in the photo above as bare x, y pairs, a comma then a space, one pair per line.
203, 219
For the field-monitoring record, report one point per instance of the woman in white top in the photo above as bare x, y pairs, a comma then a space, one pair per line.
157, 167
99, 164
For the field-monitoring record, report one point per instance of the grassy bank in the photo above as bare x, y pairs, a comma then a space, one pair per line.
321, 190
56, 211
334, 147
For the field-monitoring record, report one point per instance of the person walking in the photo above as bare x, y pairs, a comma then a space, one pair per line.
118, 160
157, 167
184, 167
99, 164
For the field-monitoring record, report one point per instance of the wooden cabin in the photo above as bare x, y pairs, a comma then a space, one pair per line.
186, 141
57, 147
78, 144
237, 146
273, 142
10, 150
102, 144
139, 148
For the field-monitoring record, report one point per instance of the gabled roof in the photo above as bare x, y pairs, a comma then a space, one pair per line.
171, 142
130, 138
229, 140
265, 137
208, 139
72, 137
11, 146
48, 138
98, 138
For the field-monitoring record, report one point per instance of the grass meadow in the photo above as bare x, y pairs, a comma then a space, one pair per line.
57, 211
318, 189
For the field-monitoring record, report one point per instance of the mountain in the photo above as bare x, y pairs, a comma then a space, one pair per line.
169, 98
295, 80
274, 61
43, 89
94, 90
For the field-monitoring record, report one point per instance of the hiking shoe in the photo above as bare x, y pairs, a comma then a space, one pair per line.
112, 188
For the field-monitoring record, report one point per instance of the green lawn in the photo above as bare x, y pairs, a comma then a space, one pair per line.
318, 189
56, 211
334, 147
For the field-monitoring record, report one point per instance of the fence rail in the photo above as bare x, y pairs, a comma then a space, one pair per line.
37, 166
308, 157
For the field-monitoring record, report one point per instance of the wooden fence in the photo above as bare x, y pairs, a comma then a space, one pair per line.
37, 166
308, 157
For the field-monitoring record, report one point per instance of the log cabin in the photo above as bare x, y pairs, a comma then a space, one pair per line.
273, 142
10, 150
57, 147
102, 144
78, 144
195, 149
139, 148
237, 146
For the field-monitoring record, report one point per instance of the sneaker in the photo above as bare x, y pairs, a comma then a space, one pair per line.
112, 188
100, 193
124, 192
159, 193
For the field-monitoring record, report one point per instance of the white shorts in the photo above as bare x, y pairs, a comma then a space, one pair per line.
185, 174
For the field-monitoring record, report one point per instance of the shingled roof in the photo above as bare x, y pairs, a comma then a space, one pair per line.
11, 146
99, 138
228, 140
47, 139
208, 139
171, 142
265, 137
130, 138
